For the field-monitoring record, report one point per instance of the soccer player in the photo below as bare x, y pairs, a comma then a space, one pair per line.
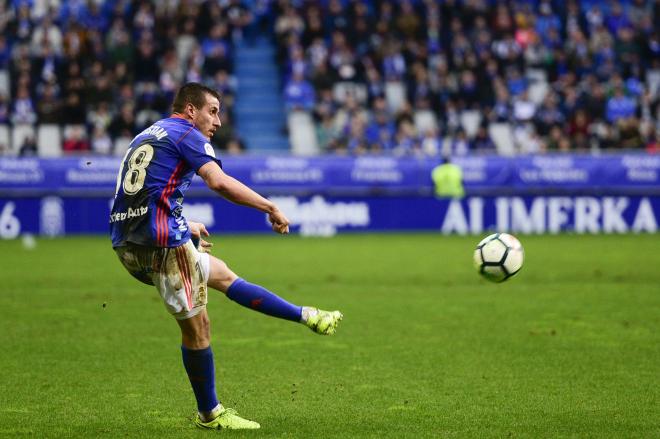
159, 247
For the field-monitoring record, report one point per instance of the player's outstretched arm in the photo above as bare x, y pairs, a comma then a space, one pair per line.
236, 192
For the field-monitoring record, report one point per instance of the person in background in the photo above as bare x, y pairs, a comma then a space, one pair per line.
448, 179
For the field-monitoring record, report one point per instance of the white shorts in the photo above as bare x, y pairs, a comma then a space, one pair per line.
179, 274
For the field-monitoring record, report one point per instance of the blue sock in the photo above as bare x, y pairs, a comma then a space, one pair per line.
260, 299
201, 372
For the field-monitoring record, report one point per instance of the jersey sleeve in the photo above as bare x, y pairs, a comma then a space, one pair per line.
197, 151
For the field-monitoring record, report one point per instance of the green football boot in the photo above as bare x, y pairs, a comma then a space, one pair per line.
321, 322
228, 419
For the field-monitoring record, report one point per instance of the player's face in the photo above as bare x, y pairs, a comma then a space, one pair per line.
207, 118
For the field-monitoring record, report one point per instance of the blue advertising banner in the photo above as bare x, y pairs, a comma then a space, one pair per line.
322, 195
320, 215
622, 173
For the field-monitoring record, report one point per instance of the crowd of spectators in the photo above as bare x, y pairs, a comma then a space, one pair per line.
409, 76
429, 77
102, 70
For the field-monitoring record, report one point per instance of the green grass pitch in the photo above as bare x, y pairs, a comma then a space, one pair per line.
570, 347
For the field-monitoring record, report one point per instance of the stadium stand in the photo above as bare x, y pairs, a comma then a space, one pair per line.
529, 72
407, 77
83, 76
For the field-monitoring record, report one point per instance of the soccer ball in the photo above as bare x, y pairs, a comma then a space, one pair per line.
499, 256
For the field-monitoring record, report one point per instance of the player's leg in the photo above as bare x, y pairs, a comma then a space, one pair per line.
180, 278
260, 299
198, 361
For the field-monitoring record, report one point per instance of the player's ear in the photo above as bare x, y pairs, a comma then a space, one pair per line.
190, 110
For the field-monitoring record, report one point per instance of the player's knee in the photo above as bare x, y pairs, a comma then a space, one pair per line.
220, 277
206, 327
197, 334
196, 339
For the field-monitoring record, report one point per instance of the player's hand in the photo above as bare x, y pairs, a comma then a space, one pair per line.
204, 246
279, 222
197, 230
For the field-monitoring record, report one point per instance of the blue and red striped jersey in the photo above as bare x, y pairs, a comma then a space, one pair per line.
152, 181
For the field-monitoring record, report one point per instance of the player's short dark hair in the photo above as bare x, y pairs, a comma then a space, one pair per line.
192, 93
